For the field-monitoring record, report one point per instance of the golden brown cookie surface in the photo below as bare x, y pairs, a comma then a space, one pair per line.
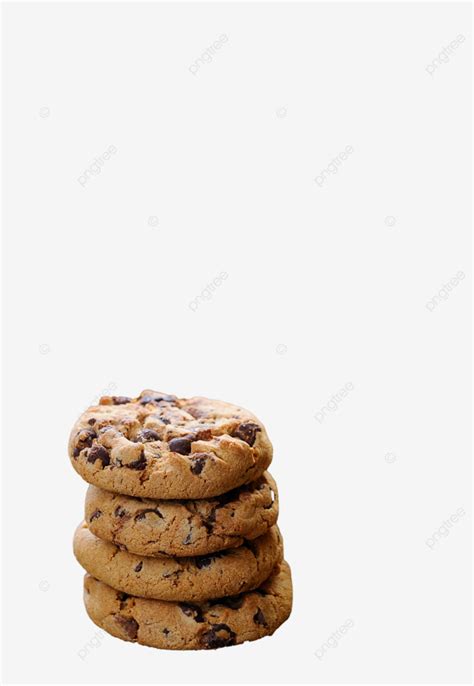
189, 579
182, 626
185, 528
161, 446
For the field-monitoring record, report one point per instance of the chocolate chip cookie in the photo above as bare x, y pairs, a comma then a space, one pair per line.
192, 579
161, 446
181, 626
183, 527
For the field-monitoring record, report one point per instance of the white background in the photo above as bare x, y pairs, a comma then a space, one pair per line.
326, 285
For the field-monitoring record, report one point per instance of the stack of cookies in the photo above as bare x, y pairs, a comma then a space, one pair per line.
179, 542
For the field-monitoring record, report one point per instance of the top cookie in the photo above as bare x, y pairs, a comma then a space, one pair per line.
161, 446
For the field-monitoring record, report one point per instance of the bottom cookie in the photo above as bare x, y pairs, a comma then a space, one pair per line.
181, 626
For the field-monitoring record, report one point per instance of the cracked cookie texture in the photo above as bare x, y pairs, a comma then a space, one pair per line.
163, 447
183, 626
192, 579
179, 527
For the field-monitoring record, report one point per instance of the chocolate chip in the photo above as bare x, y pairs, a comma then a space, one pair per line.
166, 631
197, 464
157, 398
123, 597
247, 432
142, 513
192, 611
188, 538
120, 511
98, 452
259, 618
138, 464
129, 625
138, 567
146, 435
120, 400
209, 521
232, 602
95, 515
176, 574
91, 421
218, 637
205, 560
84, 440
180, 445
